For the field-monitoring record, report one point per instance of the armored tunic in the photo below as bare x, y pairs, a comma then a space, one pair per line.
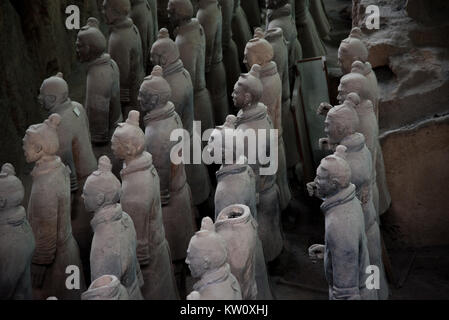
49, 215
346, 253
16, 251
191, 42
209, 15
125, 48
360, 162
103, 98
182, 97
272, 98
175, 192
114, 249
141, 200
268, 209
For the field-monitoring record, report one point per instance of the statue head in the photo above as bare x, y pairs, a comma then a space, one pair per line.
275, 4
258, 51
90, 43
164, 50
248, 89
342, 121
178, 11
155, 91
207, 250
128, 140
53, 92
116, 10
102, 188
352, 49
218, 138
11, 188
42, 139
333, 174
356, 82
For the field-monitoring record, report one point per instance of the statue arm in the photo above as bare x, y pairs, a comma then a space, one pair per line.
121, 57
97, 106
44, 216
345, 265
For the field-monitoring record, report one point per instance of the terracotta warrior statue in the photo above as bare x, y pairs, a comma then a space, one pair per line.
16, 239
238, 228
160, 120
114, 244
49, 214
279, 15
357, 82
141, 199
311, 43
345, 250
253, 115
230, 53
259, 51
75, 151
191, 41
106, 287
125, 47
102, 88
207, 259
236, 183
275, 37
142, 16
241, 31
165, 53
340, 127
209, 15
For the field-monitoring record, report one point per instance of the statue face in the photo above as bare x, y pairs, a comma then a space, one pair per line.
196, 262
118, 148
250, 59
342, 92
240, 97
92, 199
148, 101
82, 50
325, 186
47, 101
333, 131
32, 150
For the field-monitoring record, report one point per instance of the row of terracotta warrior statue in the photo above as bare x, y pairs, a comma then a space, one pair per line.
133, 235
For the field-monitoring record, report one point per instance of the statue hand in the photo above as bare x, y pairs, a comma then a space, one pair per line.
323, 108
311, 188
316, 251
38, 274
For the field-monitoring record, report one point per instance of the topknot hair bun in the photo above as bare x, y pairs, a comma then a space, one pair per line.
93, 22
157, 71
8, 170
104, 164
163, 34
133, 118
53, 121
340, 152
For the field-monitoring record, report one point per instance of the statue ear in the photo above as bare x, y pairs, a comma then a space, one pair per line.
3, 202
100, 199
37, 148
248, 98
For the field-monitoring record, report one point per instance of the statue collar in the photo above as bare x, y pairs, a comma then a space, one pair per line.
46, 165
354, 142
112, 291
259, 112
223, 220
285, 11
340, 198
231, 170
270, 69
141, 163
159, 114
103, 59
107, 214
216, 276
13, 216
126, 23
175, 67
